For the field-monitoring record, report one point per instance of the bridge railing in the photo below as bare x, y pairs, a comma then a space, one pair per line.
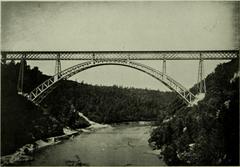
131, 55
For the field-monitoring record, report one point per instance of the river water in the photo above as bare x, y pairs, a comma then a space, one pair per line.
124, 144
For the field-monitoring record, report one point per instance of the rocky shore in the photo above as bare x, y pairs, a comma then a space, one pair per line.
24, 153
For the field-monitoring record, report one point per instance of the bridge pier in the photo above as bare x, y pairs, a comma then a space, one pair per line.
21, 75
58, 66
201, 79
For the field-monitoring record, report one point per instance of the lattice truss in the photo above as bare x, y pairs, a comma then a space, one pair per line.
39, 93
122, 55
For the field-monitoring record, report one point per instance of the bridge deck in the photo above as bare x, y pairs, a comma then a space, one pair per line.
122, 55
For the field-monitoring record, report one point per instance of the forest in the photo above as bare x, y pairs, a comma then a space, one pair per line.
22, 122
111, 104
207, 133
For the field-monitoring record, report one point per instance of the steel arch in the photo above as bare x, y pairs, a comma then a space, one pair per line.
40, 92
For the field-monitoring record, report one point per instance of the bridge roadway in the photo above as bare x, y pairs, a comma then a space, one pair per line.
121, 55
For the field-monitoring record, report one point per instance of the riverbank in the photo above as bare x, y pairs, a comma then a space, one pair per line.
24, 153
117, 145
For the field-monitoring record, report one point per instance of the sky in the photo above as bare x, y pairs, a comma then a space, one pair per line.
79, 26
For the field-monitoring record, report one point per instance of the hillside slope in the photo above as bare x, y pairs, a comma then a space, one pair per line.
208, 133
22, 122
109, 104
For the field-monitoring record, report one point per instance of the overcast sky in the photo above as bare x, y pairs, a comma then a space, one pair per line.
122, 26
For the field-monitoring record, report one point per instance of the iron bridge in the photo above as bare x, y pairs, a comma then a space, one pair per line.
122, 58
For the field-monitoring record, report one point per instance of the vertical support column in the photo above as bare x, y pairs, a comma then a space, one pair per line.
164, 67
238, 58
201, 79
164, 70
21, 75
58, 66
4, 56
93, 58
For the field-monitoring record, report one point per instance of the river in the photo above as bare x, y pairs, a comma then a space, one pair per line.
124, 144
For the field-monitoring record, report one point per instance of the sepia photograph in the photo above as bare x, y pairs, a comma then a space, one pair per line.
120, 83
